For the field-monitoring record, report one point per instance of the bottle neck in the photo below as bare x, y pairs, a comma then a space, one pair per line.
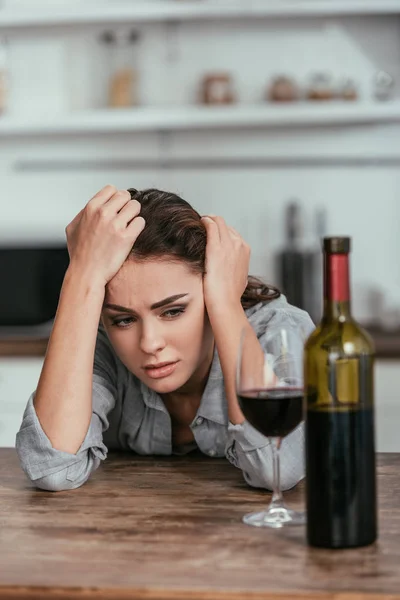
336, 287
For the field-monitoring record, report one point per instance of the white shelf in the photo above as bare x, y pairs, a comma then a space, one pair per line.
203, 117
103, 13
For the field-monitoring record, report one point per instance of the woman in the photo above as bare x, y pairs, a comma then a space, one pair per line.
156, 375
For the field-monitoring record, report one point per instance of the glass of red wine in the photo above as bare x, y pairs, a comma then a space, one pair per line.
269, 388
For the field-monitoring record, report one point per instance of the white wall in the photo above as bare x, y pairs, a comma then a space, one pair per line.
61, 70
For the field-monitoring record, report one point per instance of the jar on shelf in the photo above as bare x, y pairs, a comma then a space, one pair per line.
122, 76
217, 88
282, 89
320, 87
348, 89
383, 86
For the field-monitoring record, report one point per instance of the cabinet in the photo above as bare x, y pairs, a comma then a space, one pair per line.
18, 379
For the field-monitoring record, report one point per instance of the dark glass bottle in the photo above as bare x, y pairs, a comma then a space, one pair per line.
290, 261
340, 448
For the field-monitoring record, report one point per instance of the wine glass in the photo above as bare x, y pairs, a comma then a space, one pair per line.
269, 387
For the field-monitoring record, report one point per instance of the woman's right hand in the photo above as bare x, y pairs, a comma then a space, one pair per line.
102, 234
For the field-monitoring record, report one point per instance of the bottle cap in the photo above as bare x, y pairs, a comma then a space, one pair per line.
337, 245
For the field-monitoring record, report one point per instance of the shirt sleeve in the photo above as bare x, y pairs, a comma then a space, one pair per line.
250, 451
55, 470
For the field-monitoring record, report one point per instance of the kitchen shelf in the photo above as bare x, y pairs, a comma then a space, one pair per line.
23, 347
204, 117
103, 13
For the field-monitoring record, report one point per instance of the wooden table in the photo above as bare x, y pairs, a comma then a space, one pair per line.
170, 529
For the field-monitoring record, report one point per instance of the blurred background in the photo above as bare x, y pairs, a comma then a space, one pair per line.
283, 116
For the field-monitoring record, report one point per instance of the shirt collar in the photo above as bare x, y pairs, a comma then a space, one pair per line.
213, 405
151, 398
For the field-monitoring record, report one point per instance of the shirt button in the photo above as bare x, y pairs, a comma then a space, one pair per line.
199, 420
211, 452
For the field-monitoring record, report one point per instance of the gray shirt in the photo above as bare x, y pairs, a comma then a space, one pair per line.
127, 415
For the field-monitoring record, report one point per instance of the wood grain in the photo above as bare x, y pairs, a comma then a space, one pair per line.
168, 528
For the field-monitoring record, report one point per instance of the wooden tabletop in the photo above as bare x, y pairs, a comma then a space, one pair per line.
170, 529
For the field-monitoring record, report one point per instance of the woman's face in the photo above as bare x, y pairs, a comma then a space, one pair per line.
163, 321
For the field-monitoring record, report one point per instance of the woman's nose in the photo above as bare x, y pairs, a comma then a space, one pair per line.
151, 340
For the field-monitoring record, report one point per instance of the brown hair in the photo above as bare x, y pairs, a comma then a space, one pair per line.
174, 230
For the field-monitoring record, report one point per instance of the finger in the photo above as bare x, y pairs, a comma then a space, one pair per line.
128, 212
222, 228
118, 201
135, 227
235, 233
103, 196
212, 230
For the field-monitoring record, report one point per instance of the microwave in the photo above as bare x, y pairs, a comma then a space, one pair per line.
31, 277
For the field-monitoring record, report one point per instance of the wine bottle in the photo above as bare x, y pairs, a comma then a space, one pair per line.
339, 416
313, 287
290, 261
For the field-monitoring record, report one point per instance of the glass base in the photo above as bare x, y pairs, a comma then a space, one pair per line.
275, 517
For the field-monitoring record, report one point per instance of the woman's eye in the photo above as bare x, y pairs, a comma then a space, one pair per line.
173, 312
168, 314
123, 322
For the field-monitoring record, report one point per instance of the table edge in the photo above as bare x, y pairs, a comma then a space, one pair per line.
82, 593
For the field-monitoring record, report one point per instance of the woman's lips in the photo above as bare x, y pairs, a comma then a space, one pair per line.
157, 373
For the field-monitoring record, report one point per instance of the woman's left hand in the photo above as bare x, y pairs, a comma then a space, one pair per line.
227, 264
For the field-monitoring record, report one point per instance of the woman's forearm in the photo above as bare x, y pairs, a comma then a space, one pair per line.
63, 399
227, 323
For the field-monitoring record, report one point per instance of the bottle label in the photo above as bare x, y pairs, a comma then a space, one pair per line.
337, 278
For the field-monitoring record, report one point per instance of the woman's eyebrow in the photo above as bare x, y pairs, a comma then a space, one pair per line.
158, 304
167, 301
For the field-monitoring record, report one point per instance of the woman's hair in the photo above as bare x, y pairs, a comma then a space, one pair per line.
174, 230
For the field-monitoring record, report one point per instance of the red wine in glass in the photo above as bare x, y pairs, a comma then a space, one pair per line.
275, 412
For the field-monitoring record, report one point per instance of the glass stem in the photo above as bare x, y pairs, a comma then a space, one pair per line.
277, 498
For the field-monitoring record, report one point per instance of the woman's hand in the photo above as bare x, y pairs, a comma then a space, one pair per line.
102, 234
227, 267
227, 264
